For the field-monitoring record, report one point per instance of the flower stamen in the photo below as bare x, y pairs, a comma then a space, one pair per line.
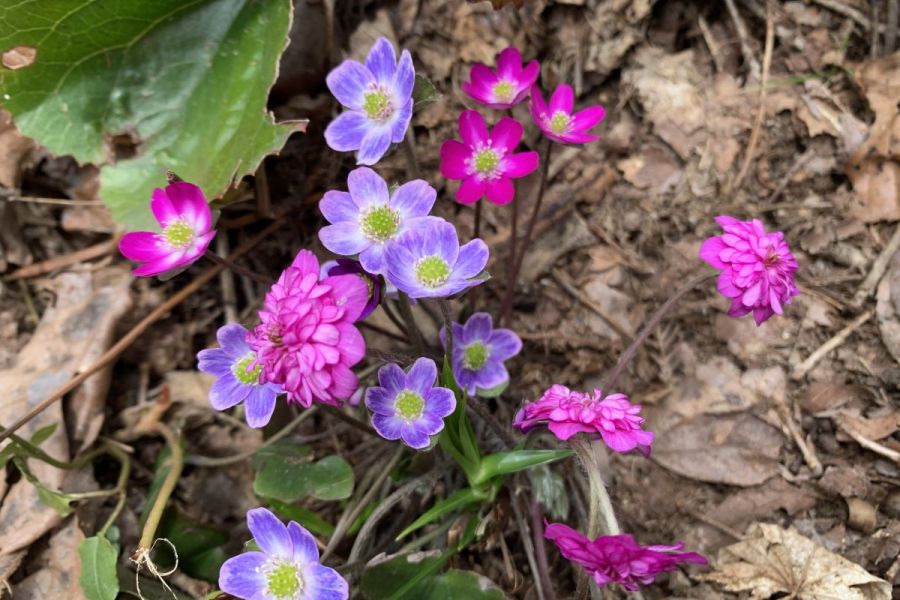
380, 223
179, 234
432, 271
409, 405
475, 356
284, 581
377, 104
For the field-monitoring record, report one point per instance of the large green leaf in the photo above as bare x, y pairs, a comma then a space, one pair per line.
413, 576
187, 80
285, 473
98, 579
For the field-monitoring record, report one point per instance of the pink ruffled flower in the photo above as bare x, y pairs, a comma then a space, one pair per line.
307, 341
566, 413
505, 87
558, 123
485, 161
184, 216
757, 268
619, 558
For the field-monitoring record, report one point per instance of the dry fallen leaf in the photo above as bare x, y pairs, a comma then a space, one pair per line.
60, 567
14, 150
771, 560
886, 309
743, 507
879, 80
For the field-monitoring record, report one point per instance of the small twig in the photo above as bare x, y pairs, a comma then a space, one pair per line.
540, 549
848, 11
448, 328
386, 307
803, 368
807, 450
566, 284
528, 545
382, 331
710, 40
865, 442
893, 21
352, 421
879, 266
229, 264
65, 260
744, 36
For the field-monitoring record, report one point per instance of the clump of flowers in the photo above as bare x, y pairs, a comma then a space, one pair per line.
234, 366
757, 268
619, 558
186, 221
286, 568
479, 352
306, 341
557, 121
378, 99
566, 413
485, 160
506, 86
407, 405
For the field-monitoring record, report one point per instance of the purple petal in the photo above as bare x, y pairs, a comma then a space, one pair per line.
201, 244
143, 246
260, 404
491, 375
381, 61
367, 188
243, 576
414, 199
504, 344
404, 115
348, 81
439, 402
479, 327
399, 261
324, 583
562, 99
421, 376
472, 259
414, 437
453, 159
472, 128
214, 361
441, 240
506, 134
227, 391
405, 79
471, 190
305, 550
232, 337
346, 132
387, 427
501, 190
344, 238
188, 200
373, 146
380, 401
392, 378
269, 533
520, 164
372, 259
338, 206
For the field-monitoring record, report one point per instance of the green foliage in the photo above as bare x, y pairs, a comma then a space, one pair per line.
199, 546
185, 80
456, 501
494, 392
284, 473
504, 463
309, 519
98, 578
550, 490
424, 91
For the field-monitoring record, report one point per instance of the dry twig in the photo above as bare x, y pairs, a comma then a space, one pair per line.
65, 260
803, 368
879, 266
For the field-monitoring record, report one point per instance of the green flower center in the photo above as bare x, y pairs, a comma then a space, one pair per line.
377, 105
486, 161
409, 405
179, 234
380, 223
560, 122
432, 271
243, 372
475, 356
503, 91
284, 581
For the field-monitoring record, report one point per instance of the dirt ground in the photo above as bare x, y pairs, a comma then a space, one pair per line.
777, 451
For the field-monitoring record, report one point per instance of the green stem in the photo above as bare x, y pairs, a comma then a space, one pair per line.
600, 504
121, 487
415, 334
176, 462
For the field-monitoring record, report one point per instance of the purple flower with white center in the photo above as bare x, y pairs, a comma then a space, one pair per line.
557, 121
369, 218
479, 351
378, 96
186, 221
287, 568
506, 87
345, 266
234, 366
428, 262
407, 406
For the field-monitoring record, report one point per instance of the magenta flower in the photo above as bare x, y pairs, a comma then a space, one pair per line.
184, 216
558, 123
506, 87
485, 161
306, 341
345, 266
566, 413
757, 268
619, 558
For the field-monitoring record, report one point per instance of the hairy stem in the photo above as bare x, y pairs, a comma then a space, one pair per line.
600, 504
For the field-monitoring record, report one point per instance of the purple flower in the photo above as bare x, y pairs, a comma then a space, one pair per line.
506, 87
558, 123
345, 266
288, 567
428, 262
368, 218
618, 558
184, 216
485, 161
237, 376
479, 351
378, 96
757, 268
407, 406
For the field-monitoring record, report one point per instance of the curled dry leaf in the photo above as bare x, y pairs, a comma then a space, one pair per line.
771, 560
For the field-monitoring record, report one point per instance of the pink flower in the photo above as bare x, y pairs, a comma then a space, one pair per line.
306, 341
566, 413
757, 268
485, 161
557, 121
619, 558
184, 216
507, 86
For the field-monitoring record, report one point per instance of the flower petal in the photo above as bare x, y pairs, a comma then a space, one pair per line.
587, 118
509, 64
441, 239
269, 533
160, 265
392, 378
380, 401
143, 246
367, 188
162, 208
521, 164
344, 238
243, 576
504, 344
506, 135
454, 155
232, 337
472, 128
227, 391
346, 132
387, 427
405, 79
421, 376
473, 257
414, 199
348, 81
478, 328
562, 99
373, 146
382, 62
440, 402
260, 404
401, 122
191, 205
324, 583
414, 437
305, 550
471, 190
338, 206
372, 259
501, 190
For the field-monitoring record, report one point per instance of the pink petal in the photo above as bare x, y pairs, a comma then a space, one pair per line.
472, 128
506, 134
587, 118
471, 190
162, 208
143, 246
520, 165
501, 190
453, 159
710, 250
563, 99
509, 64
189, 201
160, 265
538, 105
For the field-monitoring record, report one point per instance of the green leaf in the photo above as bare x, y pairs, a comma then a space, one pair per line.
550, 490
504, 463
40, 436
458, 438
494, 392
455, 501
98, 578
58, 501
424, 91
199, 546
461, 584
288, 478
309, 519
415, 575
186, 80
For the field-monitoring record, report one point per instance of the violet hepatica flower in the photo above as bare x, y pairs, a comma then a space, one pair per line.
184, 216
619, 558
306, 341
345, 266
369, 218
557, 121
428, 262
757, 268
407, 406
479, 352
505, 87
378, 98
236, 371
287, 568
566, 412
485, 161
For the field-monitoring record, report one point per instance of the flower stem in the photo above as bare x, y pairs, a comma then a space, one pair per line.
415, 334
448, 327
410, 151
121, 485
519, 256
600, 504
176, 462
257, 277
